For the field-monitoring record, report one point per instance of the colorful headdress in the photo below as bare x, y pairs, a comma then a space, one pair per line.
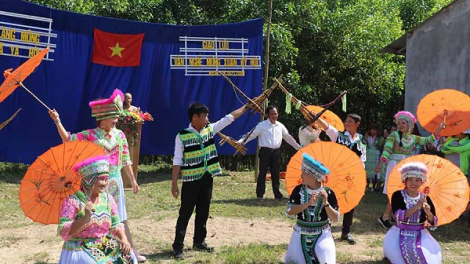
414, 169
408, 117
90, 169
106, 108
314, 168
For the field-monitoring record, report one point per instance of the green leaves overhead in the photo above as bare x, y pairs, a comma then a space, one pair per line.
321, 46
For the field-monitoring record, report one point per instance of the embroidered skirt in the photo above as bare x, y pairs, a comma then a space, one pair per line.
93, 251
325, 250
429, 246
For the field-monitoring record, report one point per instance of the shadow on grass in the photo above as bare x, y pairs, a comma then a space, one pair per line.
162, 255
153, 177
253, 202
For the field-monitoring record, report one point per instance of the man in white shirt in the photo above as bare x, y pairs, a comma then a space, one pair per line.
197, 162
270, 134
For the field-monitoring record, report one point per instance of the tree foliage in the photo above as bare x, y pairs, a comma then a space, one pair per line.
321, 46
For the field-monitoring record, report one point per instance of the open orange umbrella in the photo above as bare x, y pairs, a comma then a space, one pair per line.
330, 117
51, 178
16, 78
446, 185
447, 106
347, 176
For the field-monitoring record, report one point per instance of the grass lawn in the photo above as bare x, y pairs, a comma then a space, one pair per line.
233, 198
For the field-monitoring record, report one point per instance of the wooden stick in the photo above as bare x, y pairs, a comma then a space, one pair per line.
2, 125
252, 105
238, 147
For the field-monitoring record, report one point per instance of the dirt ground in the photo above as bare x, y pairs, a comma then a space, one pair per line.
38, 242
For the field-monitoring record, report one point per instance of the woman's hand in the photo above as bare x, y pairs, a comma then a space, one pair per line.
125, 247
313, 199
422, 201
427, 208
379, 167
54, 115
135, 187
89, 209
324, 196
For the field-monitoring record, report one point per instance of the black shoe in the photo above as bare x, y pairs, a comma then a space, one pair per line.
348, 238
385, 223
279, 197
259, 197
178, 254
203, 247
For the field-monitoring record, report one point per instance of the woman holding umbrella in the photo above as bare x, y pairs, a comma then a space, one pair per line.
400, 145
316, 207
89, 222
114, 143
412, 209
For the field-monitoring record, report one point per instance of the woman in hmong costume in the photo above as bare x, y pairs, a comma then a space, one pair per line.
400, 144
89, 222
412, 209
315, 206
374, 143
113, 142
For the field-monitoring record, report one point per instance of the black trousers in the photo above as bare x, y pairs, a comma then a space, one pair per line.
194, 194
347, 222
268, 158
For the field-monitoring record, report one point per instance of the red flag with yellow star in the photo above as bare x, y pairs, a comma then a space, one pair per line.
119, 50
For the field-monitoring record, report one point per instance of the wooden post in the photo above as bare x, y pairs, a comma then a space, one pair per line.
134, 153
266, 74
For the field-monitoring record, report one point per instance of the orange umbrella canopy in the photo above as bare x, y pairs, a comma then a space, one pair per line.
51, 178
347, 176
447, 106
13, 79
446, 185
330, 117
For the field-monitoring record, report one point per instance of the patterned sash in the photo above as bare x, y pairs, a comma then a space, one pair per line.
410, 243
311, 229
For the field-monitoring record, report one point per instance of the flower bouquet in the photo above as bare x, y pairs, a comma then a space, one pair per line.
128, 121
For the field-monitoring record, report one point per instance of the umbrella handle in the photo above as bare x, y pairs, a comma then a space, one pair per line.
445, 117
22, 85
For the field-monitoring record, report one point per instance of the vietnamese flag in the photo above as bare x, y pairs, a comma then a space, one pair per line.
119, 50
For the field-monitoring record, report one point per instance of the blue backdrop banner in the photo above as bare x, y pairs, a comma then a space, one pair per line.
178, 65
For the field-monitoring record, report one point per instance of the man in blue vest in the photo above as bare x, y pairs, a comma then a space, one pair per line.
197, 161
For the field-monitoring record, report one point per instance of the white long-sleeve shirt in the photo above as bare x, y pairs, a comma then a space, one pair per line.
216, 127
308, 135
271, 135
333, 135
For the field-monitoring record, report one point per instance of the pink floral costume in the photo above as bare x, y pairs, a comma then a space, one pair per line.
116, 148
93, 243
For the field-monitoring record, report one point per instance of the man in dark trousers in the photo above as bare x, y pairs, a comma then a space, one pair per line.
197, 161
354, 141
270, 133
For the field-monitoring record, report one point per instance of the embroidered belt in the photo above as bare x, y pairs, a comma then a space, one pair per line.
311, 228
409, 226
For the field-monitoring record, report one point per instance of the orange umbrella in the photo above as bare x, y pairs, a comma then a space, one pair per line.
51, 178
16, 78
347, 176
447, 106
330, 117
446, 185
